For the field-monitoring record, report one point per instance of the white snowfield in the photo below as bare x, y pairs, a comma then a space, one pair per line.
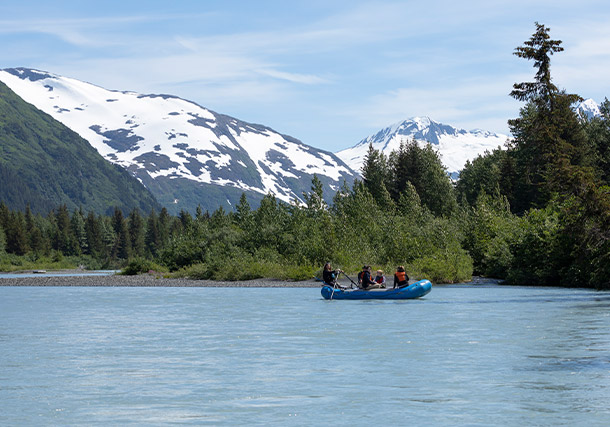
171, 137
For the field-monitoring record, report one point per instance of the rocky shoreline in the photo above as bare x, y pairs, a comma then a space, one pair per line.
148, 280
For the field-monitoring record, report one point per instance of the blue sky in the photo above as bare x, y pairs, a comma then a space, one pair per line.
327, 72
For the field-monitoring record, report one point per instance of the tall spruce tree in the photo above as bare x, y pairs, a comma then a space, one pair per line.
375, 175
122, 243
164, 227
243, 212
2, 240
153, 237
549, 149
93, 231
136, 232
15, 234
64, 239
77, 224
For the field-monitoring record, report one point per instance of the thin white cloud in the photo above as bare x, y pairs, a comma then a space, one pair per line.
307, 79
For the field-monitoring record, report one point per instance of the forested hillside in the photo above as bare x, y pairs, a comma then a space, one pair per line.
44, 164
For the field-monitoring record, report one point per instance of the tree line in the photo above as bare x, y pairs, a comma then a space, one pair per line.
536, 212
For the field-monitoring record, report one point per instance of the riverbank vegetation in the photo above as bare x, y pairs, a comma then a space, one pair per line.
535, 212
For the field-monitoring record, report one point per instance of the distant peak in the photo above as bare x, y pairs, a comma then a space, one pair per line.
589, 108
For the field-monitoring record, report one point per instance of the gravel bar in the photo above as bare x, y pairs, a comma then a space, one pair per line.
147, 280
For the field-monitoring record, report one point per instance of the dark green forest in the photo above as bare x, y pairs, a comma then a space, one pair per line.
535, 212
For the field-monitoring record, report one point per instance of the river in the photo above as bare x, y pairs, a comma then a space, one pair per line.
463, 355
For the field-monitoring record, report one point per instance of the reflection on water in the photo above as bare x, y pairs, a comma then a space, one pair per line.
463, 355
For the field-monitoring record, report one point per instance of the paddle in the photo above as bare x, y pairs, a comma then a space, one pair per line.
353, 283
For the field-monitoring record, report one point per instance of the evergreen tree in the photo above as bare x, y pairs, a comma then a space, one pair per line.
243, 212
375, 176
483, 174
219, 218
269, 224
422, 167
598, 135
549, 148
93, 232
29, 219
15, 234
4, 215
409, 204
64, 239
35, 238
164, 227
186, 220
109, 237
153, 239
2, 240
77, 224
314, 200
122, 244
137, 233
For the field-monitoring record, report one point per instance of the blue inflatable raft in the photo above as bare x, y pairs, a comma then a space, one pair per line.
416, 290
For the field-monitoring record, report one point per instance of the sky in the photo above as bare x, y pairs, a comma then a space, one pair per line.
326, 72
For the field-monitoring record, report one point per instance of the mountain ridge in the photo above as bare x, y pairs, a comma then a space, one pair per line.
186, 154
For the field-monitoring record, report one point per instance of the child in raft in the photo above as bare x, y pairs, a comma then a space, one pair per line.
366, 279
380, 278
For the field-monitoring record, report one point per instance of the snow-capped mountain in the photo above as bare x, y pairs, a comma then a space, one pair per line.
454, 145
589, 108
184, 153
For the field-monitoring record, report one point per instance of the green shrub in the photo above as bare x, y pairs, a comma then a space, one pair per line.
451, 265
141, 265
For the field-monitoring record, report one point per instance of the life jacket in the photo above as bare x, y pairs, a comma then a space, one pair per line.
401, 276
379, 279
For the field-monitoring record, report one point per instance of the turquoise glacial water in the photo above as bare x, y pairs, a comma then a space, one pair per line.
463, 355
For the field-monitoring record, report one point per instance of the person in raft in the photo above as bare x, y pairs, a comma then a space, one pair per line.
329, 275
380, 278
367, 281
400, 277
360, 275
